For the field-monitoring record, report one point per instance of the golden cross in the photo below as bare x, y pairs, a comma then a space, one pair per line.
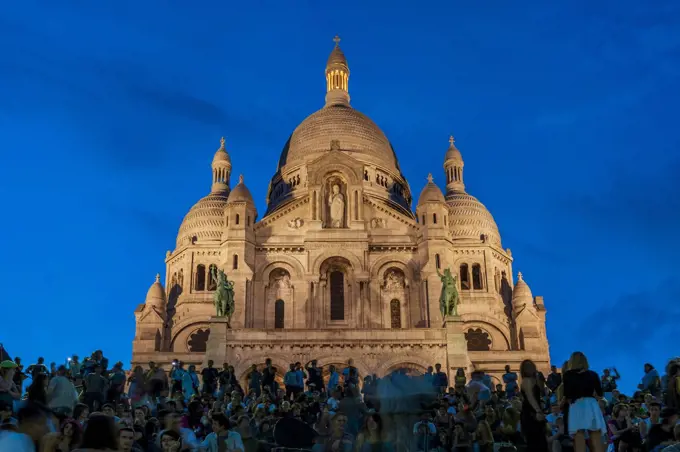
336, 40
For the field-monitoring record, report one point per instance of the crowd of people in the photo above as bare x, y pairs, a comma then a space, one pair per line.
90, 406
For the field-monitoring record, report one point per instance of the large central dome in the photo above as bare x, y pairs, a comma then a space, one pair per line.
348, 129
355, 132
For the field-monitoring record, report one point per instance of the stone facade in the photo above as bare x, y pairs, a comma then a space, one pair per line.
340, 267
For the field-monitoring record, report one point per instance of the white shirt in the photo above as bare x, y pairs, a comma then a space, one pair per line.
61, 393
16, 442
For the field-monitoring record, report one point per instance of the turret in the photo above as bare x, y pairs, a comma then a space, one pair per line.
150, 317
238, 255
431, 209
337, 77
453, 168
530, 326
431, 212
221, 169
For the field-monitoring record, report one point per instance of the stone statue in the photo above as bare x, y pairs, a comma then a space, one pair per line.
448, 300
336, 208
224, 295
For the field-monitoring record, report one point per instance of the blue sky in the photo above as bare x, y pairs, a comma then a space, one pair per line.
566, 114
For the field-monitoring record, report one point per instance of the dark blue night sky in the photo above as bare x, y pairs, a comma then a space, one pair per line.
566, 114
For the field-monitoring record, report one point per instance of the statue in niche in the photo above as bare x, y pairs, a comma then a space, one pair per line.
283, 281
336, 206
394, 280
448, 300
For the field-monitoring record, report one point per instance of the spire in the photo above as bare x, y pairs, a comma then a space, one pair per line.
221, 169
337, 77
453, 168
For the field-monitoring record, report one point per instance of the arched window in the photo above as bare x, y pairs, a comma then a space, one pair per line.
423, 220
444, 220
248, 220
235, 262
212, 283
337, 295
477, 340
279, 314
180, 278
464, 277
477, 277
437, 261
199, 282
395, 313
434, 218
198, 341
237, 218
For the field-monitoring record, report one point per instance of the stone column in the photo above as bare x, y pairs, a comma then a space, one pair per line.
456, 347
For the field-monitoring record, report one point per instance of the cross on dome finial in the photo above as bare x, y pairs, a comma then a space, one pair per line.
430, 179
519, 276
240, 178
222, 143
336, 40
451, 140
158, 277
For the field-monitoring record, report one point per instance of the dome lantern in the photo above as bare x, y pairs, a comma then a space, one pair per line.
221, 169
337, 77
453, 167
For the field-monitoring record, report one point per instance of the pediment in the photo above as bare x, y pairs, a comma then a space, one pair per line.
526, 313
289, 218
150, 315
335, 160
387, 215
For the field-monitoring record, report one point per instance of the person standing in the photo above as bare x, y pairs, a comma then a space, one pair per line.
209, 375
255, 380
581, 387
95, 389
269, 376
554, 379
532, 419
61, 394
440, 380
315, 380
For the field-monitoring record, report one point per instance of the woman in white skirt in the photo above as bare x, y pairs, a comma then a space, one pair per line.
581, 389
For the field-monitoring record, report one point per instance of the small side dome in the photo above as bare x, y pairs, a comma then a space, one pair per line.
522, 293
431, 192
240, 193
156, 295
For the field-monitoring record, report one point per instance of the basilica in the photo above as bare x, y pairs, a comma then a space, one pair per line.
339, 266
